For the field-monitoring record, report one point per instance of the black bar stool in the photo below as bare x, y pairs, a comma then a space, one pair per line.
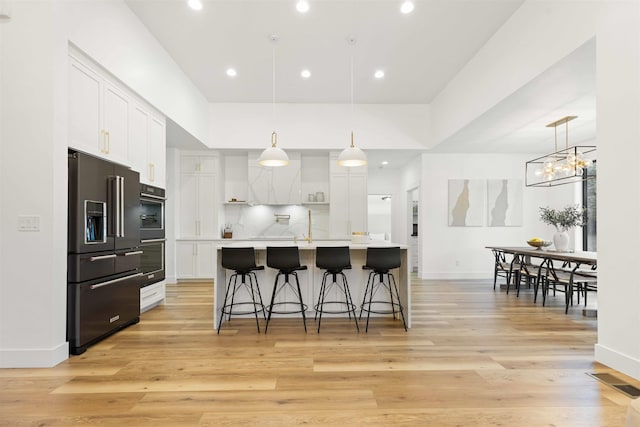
286, 259
334, 259
380, 260
243, 262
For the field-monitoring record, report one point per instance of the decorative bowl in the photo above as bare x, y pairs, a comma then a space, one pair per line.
539, 243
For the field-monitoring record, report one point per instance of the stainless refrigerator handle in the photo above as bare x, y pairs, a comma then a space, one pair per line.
111, 282
152, 196
134, 253
116, 214
152, 240
98, 258
121, 206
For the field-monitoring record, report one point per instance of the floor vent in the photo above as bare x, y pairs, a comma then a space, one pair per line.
618, 384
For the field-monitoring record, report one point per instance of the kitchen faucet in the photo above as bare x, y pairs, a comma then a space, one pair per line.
308, 239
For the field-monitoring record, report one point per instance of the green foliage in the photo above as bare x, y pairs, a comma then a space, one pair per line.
563, 219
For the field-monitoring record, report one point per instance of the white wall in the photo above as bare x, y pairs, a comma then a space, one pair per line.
618, 98
459, 252
326, 126
536, 36
33, 160
33, 179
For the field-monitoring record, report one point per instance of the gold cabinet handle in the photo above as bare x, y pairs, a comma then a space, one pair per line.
108, 142
152, 172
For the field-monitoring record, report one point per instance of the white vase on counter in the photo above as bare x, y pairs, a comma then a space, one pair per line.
561, 241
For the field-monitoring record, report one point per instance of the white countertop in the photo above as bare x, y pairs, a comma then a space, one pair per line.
262, 244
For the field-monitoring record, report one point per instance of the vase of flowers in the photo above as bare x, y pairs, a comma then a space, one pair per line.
563, 220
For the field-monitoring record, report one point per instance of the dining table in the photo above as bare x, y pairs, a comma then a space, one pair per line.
577, 259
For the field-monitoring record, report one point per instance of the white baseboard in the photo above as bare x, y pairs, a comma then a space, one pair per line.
171, 280
34, 357
618, 361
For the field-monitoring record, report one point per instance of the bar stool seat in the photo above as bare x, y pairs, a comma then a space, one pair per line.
334, 259
243, 262
380, 260
285, 259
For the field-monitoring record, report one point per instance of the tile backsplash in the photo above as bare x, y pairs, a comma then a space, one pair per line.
270, 221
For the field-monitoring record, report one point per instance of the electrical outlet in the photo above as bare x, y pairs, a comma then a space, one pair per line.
28, 222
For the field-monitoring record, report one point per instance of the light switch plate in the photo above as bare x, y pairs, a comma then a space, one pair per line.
28, 222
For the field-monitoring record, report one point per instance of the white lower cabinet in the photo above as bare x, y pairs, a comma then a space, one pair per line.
152, 295
194, 259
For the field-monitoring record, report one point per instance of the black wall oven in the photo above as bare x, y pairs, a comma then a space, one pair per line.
151, 212
152, 234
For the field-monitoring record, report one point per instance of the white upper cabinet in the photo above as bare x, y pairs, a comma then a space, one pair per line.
348, 199
157, 152
98, 114
116, 123
148, 145
199, 202
274, 186
85, 100
109, 121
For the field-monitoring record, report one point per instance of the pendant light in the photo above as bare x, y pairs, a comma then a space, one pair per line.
273, 156
352, 155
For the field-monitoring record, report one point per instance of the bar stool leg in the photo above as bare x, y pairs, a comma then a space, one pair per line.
364, 296
370, 300
224, 303
304, 317
404, 322
255, 277
351, 306
273, 297
253, 298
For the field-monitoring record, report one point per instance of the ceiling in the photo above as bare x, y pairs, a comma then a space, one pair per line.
419, 53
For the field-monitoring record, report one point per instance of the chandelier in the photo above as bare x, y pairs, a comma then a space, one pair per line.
563, 166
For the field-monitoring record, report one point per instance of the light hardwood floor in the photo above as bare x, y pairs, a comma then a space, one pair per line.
474, 357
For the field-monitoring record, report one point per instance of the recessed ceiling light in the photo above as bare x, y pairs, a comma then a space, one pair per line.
231, 72
302, 6
407, 7
305, 74
378, 74
384, 163
195, 4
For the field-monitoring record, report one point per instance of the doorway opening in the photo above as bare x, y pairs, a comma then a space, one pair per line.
379, 217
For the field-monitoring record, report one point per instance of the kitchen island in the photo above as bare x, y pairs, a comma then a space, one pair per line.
311, 278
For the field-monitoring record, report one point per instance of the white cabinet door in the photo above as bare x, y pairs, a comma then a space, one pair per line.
198, 197
116, 124
188, 205
358, 202
207, 207
204, 260
348, 199
339, 206
147, 152
85, 99
194, 259
198, 164
156, 153
185, 260
139, 136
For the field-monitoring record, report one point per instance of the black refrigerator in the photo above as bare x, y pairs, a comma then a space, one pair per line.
103, 260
